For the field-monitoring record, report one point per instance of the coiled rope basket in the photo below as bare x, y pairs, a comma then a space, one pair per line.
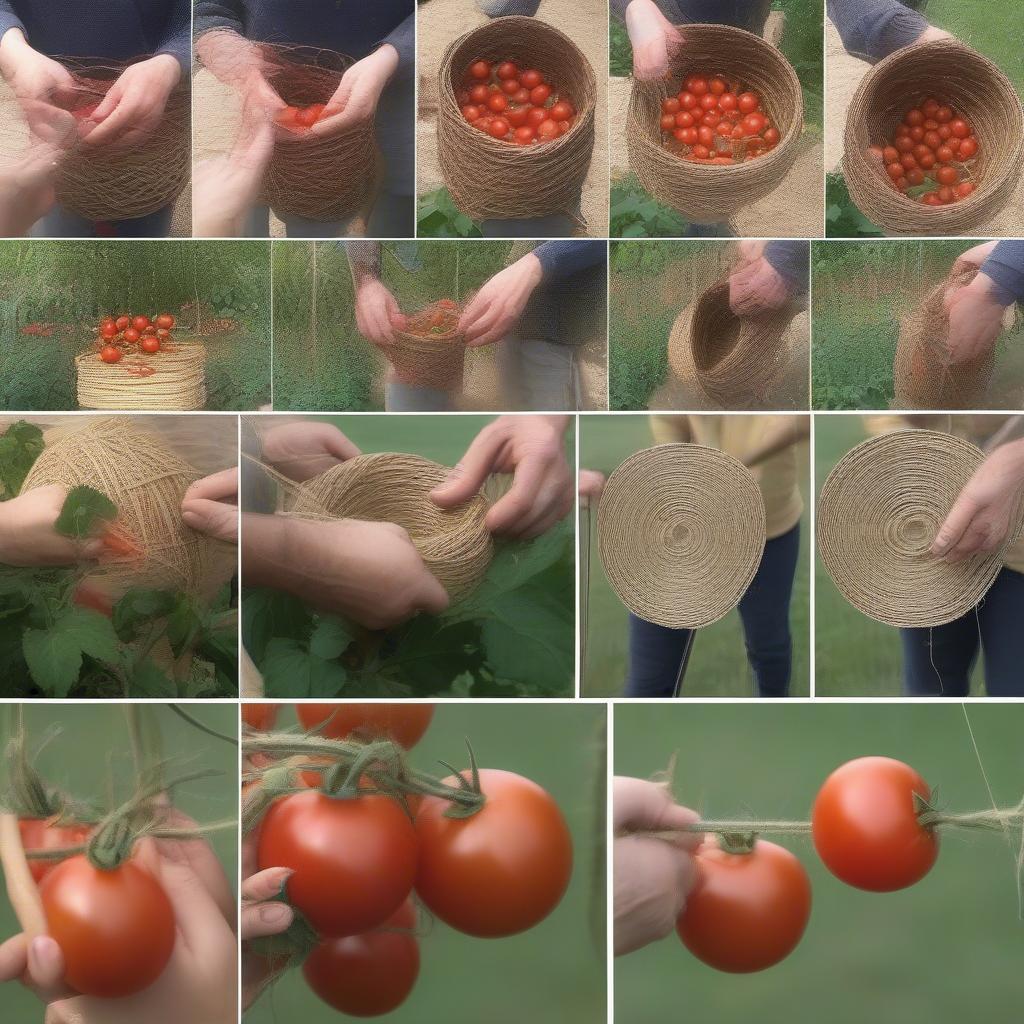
708, 194
106, 184
976, 89
171, 380
878, 514
681, 532
388, 487
491, 178
324, 178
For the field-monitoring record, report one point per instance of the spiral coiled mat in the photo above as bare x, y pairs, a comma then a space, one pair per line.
171, 380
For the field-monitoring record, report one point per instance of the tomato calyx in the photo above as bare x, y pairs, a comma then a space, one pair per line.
738, 843
469, 787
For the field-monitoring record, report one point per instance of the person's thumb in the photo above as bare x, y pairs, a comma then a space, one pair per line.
471, 473
960, 515
433, 598
214, 518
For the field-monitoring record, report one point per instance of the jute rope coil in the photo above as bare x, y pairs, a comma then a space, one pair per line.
388, 487
708, 193
923, 375
328, 178
105, 184
879, 512
736, 359
975, 88
435, 362
681, 532
177, 382
491, 178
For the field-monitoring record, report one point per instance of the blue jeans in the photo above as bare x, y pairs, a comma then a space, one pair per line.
938, 662
61, 223
655, 652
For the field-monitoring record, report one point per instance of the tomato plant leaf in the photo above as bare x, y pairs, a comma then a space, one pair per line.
54, 660
139, 607
83, 509
147, 679
291, 671
184, 625
331, 636
20, 445
268, 614
92, 632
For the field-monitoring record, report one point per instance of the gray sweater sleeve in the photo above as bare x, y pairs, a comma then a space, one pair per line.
210, 14
403, 39
1005, 266
8, 18
875, 28
791, 258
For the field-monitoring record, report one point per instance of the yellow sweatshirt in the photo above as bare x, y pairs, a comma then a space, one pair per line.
743, 437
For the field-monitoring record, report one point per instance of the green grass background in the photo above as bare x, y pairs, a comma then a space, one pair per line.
553, 973
943, 951
718, 663
90, 752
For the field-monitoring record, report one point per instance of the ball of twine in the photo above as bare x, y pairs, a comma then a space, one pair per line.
107, 184
489, 177
708, 193
736, 359
389, 487
681, 531
173, 379
975, 88
437, 361
878, 514
329, 177
923, 375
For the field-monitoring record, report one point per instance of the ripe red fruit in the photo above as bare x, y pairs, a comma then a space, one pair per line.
110, 354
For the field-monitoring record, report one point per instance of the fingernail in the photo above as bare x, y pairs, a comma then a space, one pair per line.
45, 953
285, 877
276, 913
191, 518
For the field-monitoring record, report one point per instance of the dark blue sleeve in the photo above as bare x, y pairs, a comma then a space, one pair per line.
875, 28
178, 39
210, 14
561, 259
1006, 267
504, 8
791, 259
403, 39
8, 18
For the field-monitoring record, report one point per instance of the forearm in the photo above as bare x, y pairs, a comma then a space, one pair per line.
1005, 266
790, 258
875, 28
562, 259
269, 553
211, 14
363, 260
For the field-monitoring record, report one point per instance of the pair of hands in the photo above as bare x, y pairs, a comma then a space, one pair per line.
488, 317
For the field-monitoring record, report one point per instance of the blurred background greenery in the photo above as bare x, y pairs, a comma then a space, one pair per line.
946, 950
553, 973
718, 663
84, 750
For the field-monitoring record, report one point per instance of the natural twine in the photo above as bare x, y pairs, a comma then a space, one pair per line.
955, 74
879, 512
173, 379
681, 531
432, 360
490, 177
711, 193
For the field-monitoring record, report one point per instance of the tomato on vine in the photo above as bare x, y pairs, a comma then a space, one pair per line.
39, 834
404, 723
260, 716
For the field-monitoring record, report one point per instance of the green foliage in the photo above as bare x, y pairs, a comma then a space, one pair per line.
843, 218
83, 510
439, 217
634, 214
620, 51
638, 258
20, 445
638, 357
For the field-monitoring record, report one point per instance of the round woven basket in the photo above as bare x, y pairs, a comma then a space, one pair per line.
923, 375
172, 380
103, 184
681, 531
878, 514
708, 194
433, 362
736, 359
492, 178
454, 544
977, 89
328, 178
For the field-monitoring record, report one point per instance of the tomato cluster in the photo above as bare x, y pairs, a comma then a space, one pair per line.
434, 321
118, 336
715, 120
301, 118
513, 104
359, 861
931, 155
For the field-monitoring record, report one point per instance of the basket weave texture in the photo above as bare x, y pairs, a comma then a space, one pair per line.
177, 383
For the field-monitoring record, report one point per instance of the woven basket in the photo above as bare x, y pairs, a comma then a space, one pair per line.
878, 514
977, 89
708, 194
923, 375
102, 184
492, 178
327, 178
681, 531
177, 382
454, 544
433, 362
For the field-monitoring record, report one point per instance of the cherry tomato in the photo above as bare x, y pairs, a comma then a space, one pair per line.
498, 128
108, 321
932, 140
930, 124
701, 152
140, 323
927, 160
116, 928
917, 133
747, 910
122, 322
706, 135
479, 95
944, 114
525, 134
404, 723
670, 105
510, 86
930, 106
865, 823
947, 176
108, 331
684, 119
110, 354
480, 70
712, 118
946, 195
727, 101
890, 154
968, 147
960, 128
921, 150
944, 132
717, 86
354, 860
540, 94
260, 716
709, 101
562, 111
771, 137
754, 124
944, 154
507, 70
150, 344
470, 112
521, 96
748, 102
698, 85
724, 129
516, 116
915, 176
688, 136
536, 115
132, 335
895, 170
497, 103
901, 184
547, 129
163, 333
500, 871
530, 79
964, 189
309, 116
47, 834
931, 199
688, 101
914, 117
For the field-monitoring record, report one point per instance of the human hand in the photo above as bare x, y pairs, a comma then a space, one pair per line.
533, 449
975, 319
654, 38
757, 288
210, 505
981, 517
356, 98
263, 915
749, 250
974, 257
27, 534
32, 76
377, 312
27, 188
931, 34
305, 449
591, 484
134, 105
494, 310
651, 877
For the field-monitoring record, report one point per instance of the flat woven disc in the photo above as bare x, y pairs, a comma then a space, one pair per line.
878, 514
681, 531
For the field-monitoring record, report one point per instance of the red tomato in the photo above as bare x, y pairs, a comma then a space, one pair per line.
547, 130
288, 117
684, 119
688, 101
688, 135
946, 195
260, 716
914, 117
108, 331
502, 870
944, 154
727, 101
308, 116
536, 115
964, 189
108, 321
525, 134
480, 70
931, 199
771, 137
706, 135
932, 139
930, 107
404, 723
668, 122
670, 105
122, 322
479, 95
371, 974
717, 86
960, 128
132, 335
701, 152
968, 147
947, 176
116, 928
562, 111
917, 133
110, 354
712, 118
540, 94
507, 70
470, 112
354, 860
915, 177
895, 170
497, 103
747, 910
510, 86
530, 79
748, 102
890, 154
944, 114
163, 333
698, 85
140, 323
930, 124
516, 116
865, 823
927, 160
46, 834
944, 132
498, 128
724, 129
754, 124
150, 344
521, 96
709, 101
